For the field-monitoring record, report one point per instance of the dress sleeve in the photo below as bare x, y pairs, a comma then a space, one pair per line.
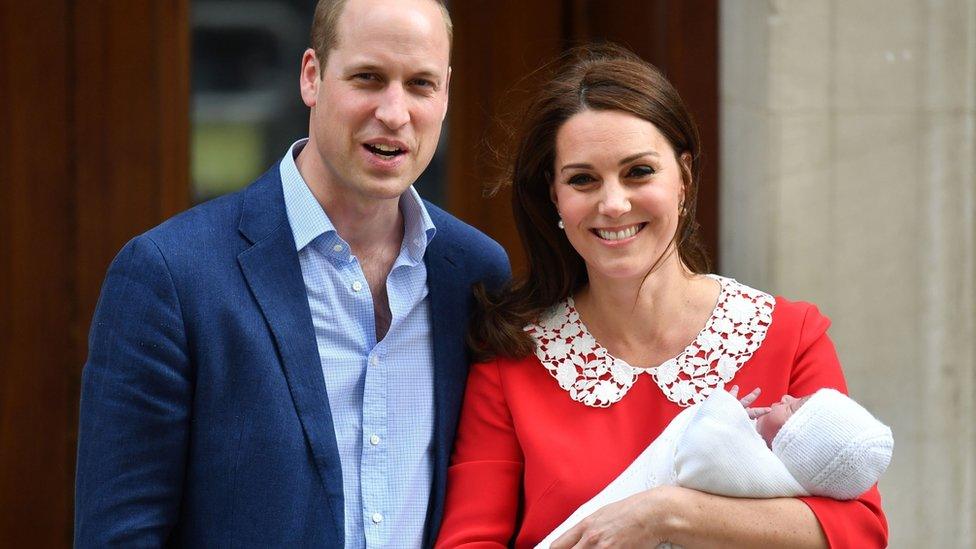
859, 522
485, 476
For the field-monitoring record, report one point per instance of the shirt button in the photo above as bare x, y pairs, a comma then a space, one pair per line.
337, 248
377, 518
374, 440
374, 361
357, 286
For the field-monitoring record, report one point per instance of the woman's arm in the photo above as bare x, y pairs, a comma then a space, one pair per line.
485, 477
695, 519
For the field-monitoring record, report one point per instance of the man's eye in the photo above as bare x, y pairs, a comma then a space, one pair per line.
423, 83
640, 171
366, 77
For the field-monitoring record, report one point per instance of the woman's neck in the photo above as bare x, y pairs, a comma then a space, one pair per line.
648, 320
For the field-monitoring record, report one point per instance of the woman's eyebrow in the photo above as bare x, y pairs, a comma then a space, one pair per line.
623, 161
633, 157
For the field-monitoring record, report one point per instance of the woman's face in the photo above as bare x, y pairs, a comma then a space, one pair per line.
618, 188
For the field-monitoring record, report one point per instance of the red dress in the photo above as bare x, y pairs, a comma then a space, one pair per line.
529, 452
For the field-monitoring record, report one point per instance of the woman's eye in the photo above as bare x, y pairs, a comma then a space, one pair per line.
640, 171
579, 179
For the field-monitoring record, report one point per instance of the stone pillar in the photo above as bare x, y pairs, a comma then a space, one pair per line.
849, 180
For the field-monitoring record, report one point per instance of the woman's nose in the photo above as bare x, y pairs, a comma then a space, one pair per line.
615, 200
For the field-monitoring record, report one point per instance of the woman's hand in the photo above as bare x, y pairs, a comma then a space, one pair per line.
642, 520
689, 518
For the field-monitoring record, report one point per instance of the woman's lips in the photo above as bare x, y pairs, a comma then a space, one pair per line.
618, 234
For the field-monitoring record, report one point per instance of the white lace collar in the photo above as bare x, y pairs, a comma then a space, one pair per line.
596, 378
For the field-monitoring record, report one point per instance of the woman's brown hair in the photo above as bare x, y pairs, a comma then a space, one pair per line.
594, 77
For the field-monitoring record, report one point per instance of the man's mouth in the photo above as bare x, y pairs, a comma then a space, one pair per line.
619, 234
388, 151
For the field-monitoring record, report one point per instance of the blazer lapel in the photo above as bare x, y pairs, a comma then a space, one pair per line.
273, 272
449, 298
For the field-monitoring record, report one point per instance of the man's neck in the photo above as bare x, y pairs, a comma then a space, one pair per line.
367, 224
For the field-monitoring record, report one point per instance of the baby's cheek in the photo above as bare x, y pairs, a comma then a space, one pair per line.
770, 424
762, 425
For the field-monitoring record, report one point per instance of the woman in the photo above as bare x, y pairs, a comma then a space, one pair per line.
615, 329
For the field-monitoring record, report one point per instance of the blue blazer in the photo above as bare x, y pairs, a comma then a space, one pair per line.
204, 417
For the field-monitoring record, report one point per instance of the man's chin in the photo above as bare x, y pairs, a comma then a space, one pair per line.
386, 189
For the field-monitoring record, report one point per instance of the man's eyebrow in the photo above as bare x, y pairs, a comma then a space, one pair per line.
623, 161
363, 67
429, 74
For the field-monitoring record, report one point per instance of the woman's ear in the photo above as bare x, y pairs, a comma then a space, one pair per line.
685, 161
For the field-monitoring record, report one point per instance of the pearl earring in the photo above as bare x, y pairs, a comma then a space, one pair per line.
561, 225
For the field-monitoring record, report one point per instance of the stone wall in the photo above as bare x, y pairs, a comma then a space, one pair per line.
849, 180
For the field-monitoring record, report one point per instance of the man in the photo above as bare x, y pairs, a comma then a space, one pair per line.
284, 366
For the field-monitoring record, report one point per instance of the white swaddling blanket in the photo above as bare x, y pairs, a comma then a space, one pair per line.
712, 447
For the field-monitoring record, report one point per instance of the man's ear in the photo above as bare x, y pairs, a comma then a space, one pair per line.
310, 78
447, 92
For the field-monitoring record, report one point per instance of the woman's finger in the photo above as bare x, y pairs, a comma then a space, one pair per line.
570, 538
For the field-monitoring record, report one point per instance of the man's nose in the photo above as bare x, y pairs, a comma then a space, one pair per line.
615, 200
392, 110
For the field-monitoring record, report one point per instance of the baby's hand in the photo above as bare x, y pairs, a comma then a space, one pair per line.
749, 399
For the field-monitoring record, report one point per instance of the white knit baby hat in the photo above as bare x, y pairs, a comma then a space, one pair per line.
833, 446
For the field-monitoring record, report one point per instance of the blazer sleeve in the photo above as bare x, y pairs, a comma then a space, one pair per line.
135, 406
485, 477
861, 522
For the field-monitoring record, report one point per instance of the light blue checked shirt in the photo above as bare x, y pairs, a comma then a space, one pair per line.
381, 393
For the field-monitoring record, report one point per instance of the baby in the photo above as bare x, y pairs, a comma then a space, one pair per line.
824, 444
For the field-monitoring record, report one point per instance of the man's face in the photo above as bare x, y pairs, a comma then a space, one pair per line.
377, 111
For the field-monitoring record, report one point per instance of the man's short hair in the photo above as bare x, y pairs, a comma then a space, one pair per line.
325, 31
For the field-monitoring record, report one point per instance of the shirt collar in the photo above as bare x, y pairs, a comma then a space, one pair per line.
309, 221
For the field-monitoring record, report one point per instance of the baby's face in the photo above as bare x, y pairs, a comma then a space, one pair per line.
769, 424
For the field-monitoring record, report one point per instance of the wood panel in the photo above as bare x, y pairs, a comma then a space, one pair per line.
497, 44
35, 270
131, 125
94, 112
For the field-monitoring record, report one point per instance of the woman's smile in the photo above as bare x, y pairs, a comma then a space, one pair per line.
618, 235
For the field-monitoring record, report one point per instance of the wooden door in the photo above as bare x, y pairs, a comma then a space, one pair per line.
93, 150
